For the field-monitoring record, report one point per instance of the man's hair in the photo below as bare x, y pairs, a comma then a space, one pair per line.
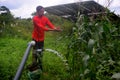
38, 8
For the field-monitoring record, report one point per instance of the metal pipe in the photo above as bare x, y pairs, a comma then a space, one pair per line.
22, 64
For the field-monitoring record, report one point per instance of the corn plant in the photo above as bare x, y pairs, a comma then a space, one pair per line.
93, 49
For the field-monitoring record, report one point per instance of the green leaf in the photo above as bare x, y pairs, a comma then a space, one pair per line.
91, 43
116, 76
106, 29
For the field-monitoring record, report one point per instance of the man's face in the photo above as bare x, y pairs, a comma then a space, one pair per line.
41, 12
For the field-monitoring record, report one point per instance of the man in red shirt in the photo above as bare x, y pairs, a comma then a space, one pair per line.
40, 22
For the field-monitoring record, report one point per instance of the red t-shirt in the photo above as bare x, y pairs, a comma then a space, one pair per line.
40, 24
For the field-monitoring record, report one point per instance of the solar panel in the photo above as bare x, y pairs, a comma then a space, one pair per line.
72, 9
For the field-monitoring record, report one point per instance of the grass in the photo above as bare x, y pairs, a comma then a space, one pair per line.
53, 67
12, 51
13, 43
11, 54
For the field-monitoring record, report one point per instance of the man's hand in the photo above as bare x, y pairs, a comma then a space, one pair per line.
58, 29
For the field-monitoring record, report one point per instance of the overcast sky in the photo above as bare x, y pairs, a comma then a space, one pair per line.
24, 8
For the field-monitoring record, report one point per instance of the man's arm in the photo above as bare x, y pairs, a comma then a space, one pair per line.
52, 27
56, 29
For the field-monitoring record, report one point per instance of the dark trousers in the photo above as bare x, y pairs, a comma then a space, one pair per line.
38, 45
37, 55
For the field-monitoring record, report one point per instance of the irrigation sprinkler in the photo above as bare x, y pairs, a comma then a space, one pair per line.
22, 64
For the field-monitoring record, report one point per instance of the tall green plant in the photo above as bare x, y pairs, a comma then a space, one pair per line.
92, 52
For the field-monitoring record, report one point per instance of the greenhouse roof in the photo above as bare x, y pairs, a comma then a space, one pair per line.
72, 9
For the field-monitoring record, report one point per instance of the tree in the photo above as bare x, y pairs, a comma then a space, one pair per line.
6, 18
5, 15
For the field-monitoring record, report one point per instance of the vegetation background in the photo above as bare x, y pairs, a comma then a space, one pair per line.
91, 48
